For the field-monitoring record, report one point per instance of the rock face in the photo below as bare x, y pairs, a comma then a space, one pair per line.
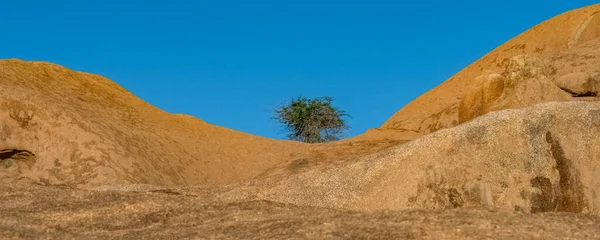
580, 84
58, 126
516, 130
550, 62
524, 82
536, 159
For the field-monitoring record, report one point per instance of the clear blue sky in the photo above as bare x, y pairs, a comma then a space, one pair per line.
231, 62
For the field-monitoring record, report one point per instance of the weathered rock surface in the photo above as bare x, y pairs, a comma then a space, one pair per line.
529, 69
63, 213
516, 132
536, 159
580, 84
525, 81
58, 126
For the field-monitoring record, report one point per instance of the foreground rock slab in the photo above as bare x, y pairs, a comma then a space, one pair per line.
542, 158
133, 212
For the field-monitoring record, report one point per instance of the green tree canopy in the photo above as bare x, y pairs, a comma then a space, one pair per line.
312, 120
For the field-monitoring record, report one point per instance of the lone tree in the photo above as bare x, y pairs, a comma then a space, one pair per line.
312, 120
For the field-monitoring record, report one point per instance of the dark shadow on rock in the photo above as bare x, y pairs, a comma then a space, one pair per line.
571, 197
546, 200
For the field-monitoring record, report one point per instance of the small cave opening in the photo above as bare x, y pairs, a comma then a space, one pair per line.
15, 154
571, 197
16, 157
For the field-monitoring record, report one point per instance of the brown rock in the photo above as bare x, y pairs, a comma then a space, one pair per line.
535, 159
525, 81
482, 97
62, 213
580, 84
79, 128
84, 129
511, 132
565, 44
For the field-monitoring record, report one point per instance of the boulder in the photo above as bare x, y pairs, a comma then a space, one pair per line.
482, 97
580, 84
525, 81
